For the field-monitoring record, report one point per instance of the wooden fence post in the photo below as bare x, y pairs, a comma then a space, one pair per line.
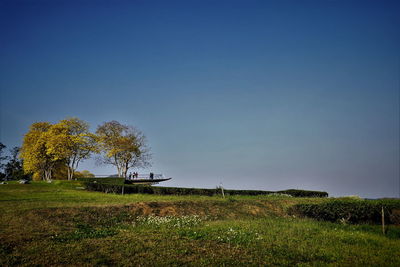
222, 189
383, 221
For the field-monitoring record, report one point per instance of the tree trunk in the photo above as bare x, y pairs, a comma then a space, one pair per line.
124, 170
47, 175
69, 173
118, 167
126, 167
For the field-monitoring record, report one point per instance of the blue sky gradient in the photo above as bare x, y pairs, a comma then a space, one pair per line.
254, 94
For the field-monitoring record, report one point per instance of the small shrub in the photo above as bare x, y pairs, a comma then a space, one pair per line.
349, 211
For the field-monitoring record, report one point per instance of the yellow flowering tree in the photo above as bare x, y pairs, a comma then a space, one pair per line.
48, 149
71, 142
83, 174
34, 151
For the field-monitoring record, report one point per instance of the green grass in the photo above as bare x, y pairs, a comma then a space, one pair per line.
67, 194
61, 224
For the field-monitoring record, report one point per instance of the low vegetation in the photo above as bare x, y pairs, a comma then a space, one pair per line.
59, 223
116, 185
352, 211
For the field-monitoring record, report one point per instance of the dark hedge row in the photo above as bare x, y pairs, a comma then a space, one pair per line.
351, 211
107, 180
158, 190
303, 193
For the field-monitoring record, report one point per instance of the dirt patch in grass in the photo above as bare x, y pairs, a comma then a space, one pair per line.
38, 224
69, 226
121, 213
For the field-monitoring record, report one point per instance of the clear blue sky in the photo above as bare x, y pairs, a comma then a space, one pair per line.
254, 94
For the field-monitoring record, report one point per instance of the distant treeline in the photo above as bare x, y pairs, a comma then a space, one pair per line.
117, 185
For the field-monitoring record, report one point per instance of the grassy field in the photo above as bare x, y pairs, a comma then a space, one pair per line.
62, 224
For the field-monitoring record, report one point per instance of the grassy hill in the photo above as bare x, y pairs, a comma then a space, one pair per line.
62, 224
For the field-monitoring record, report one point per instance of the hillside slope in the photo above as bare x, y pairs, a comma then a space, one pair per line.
61, 224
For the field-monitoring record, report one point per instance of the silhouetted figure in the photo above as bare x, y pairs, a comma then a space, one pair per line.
151, 175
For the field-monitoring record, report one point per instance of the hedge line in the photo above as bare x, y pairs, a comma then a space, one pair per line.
108, 187
107, 180
351, 211
303, 193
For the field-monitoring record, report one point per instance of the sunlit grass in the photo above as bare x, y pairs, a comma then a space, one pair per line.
71, 193
61, 224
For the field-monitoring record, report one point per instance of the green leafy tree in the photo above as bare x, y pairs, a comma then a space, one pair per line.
13, 169
122, 146
3, 158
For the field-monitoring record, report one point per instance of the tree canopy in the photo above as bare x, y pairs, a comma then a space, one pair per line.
34, 152
13, 169
70, 141
2, 158
55, 150
122, 146
46, 147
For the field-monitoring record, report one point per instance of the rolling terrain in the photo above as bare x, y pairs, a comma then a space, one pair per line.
62, 224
